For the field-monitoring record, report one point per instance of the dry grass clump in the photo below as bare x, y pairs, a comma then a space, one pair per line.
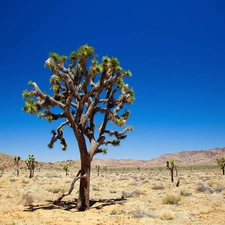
167, 215
27, 200
171, 199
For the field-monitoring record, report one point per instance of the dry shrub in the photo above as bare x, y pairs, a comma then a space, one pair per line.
184, 193
208, 190
158, 187
138, 213
167, 215
27, 200
172, 199
131, 193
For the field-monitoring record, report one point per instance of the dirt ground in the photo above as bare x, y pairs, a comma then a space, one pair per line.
117, 197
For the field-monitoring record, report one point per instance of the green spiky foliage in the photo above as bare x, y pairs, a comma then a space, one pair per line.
17, 160
84, 92
221, 163
66, 169
171, 166
31, 164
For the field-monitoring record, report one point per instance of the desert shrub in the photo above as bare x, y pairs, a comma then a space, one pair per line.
132, 193
138, 213
171, 199
184, 193
203, 188
219, 188
27, 200
167, 215
158, 187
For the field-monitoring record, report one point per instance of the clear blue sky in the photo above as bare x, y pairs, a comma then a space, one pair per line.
175, 50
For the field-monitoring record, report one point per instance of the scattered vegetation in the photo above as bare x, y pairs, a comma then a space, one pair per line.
66, 169
221, 163
31, 164
17, 159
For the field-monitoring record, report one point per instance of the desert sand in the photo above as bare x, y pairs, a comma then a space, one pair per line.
117, 197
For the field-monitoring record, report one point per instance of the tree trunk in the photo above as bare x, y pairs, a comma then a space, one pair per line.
171, 175
84, 191
223, 171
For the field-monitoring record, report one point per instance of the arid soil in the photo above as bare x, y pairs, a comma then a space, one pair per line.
122, 196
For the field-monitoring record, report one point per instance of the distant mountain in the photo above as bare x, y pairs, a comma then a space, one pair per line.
184, 158
201, 157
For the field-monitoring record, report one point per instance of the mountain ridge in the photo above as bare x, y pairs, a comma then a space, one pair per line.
183, 158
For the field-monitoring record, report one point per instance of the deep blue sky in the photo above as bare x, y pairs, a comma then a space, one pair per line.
175, 50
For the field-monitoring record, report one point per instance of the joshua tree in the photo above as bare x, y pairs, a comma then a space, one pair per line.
90, 97
171, 166
2, 169
138, 168
66, 168
221, 163
31, 164
17, 159
98, 168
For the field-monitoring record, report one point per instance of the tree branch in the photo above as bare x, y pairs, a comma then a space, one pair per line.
77, 177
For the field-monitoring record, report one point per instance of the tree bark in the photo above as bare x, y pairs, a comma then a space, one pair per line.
84, 190
171, 171
223, 171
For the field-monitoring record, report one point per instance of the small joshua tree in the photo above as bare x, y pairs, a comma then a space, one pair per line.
98, 168
221, 163
17, 159
2, 169
66, 168
171, 166
31, 164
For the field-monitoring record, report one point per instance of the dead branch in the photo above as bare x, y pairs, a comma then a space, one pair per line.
77, 177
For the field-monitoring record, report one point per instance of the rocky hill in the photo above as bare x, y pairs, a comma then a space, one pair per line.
201, 157
184, 158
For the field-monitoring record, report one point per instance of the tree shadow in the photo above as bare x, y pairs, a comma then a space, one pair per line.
69, 205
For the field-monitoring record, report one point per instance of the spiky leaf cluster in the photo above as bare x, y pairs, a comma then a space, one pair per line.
221, 162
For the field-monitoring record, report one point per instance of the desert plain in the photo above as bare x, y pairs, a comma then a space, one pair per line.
118, 196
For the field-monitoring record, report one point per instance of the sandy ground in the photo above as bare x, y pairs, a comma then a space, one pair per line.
118, 197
